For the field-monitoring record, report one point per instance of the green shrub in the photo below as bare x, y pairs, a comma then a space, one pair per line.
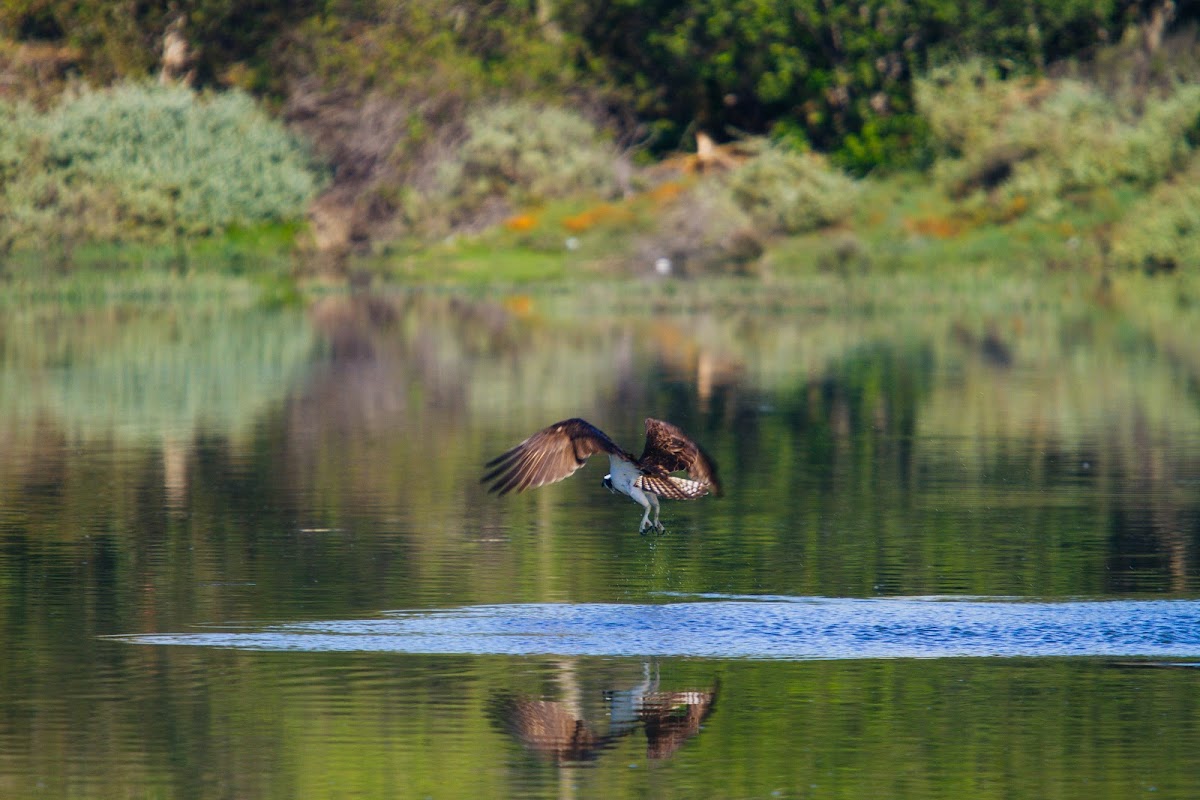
18, 133
964, 105
525, 155
142, 162
789, 192
1161, 233
1032, 144
20, 147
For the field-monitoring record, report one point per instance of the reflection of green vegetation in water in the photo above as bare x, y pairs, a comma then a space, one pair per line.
128, 371
820, 418
868, 449
383, 726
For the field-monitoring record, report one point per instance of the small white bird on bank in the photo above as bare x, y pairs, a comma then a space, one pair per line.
559, 450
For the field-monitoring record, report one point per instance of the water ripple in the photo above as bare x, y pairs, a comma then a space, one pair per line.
734, 627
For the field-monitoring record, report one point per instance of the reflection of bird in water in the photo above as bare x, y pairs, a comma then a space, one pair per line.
671, 718
547, 728
559, 450
555, 730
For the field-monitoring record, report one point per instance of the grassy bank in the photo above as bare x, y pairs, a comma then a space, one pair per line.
1023, 175
898, 224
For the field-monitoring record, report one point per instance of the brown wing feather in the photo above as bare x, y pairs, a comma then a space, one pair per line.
671, 487
669, 450
548, 456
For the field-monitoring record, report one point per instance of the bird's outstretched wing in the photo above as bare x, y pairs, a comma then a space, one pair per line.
548, 456
672, 718
548, 728
669, 450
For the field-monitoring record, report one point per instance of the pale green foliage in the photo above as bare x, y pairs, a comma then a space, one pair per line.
789, 192
1162, 231
964, 104
18, 131
19, 146
141, 161
1033, 143
526, 154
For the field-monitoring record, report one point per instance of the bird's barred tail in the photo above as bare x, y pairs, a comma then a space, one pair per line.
671, 487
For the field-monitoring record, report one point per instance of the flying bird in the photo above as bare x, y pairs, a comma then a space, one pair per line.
559, 450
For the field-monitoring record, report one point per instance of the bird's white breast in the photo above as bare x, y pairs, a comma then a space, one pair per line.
622, 473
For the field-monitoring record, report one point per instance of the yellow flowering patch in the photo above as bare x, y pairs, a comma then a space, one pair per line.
605, 212
938, 227
520, 305
521, 223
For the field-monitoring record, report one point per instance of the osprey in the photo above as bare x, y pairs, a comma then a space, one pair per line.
559, 450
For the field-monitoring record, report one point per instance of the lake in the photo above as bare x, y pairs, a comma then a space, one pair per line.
245, 551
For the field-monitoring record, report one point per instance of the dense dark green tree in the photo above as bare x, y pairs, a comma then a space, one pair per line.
837, 74
125, 39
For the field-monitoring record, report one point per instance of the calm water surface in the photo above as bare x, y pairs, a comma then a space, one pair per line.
244, 553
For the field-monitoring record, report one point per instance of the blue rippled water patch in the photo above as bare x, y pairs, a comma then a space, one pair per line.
758, 628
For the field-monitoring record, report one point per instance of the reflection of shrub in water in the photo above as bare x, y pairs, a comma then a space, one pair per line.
145, 375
